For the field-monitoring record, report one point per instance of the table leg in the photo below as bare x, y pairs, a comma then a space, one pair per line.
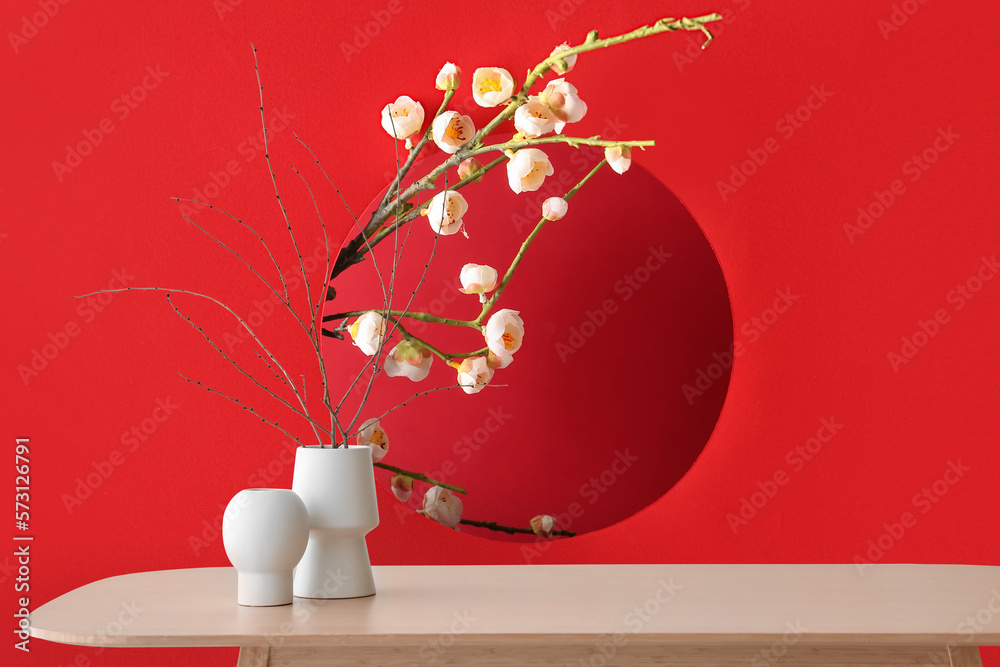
254, 656
965, 656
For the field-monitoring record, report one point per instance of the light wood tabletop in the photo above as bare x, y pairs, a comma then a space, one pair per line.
559, 614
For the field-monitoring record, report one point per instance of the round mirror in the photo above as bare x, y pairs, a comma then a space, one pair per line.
624, 366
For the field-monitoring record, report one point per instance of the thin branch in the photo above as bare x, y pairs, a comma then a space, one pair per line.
229, 310
419, 476
238, 255
387, 306
242, 405
253, 231
418, 210
510, 530
357, 224
239, 368
274, 182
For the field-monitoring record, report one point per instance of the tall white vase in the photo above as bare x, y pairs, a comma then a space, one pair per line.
338, 489
265, 532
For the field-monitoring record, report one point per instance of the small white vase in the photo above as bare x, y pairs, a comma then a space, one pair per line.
265, 532
338, 489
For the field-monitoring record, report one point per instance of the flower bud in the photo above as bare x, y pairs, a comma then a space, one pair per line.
409, 361
443, 506
567, 63
554, 208
619, 157
543, 525
449, 78
469, 168
477, 279
402, 487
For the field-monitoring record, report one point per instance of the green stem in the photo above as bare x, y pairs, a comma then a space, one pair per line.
527, 243
593, 43
510, 530
421, 477
413, 315
444, 356
427, 182
352, 253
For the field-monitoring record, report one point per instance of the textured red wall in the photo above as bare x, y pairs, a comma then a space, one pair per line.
858, 105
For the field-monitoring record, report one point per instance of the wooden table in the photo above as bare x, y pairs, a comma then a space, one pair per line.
579, 615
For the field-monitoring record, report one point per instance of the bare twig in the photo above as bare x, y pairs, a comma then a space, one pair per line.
242, 405
277, 268
510, 530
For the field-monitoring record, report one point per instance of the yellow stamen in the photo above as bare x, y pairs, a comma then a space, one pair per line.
508, 341
490, 85
455, 129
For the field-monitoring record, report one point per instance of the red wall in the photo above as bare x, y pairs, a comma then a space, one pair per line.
903, 126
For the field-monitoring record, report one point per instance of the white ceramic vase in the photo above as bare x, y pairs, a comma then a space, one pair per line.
265, 532
338, 489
